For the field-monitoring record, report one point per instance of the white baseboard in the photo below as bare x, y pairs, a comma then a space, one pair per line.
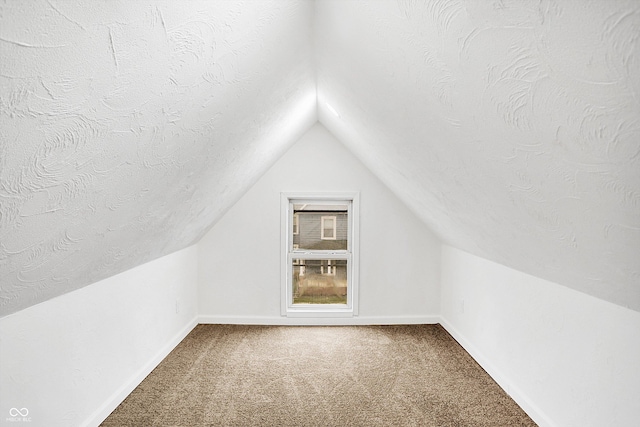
503, 381
343, 321
112, 403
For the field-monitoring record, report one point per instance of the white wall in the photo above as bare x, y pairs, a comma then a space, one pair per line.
239, 259
72, 359
567, 358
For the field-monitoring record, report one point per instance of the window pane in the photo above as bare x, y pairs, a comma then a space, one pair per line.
319, 281
316, 233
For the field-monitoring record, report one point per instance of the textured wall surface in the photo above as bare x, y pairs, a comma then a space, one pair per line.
128, 128
511, 127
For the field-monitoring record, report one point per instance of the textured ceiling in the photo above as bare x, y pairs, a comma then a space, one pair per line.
128, 128
512, 128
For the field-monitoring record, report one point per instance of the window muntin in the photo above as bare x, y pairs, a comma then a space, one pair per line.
320, 248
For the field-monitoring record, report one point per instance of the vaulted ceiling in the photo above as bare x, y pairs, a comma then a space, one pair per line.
129, 128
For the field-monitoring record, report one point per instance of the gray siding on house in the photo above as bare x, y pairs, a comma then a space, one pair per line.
309, 226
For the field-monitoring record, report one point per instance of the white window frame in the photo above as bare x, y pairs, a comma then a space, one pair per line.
322, 227
288, 252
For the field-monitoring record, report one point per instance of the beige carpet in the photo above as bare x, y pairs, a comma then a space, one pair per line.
225, 375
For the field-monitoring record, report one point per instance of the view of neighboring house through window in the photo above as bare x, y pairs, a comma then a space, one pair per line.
319, 254
328, 227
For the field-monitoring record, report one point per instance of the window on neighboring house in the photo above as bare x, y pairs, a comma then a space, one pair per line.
328, 228
320, 254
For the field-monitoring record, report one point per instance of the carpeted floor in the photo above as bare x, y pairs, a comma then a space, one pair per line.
226, 375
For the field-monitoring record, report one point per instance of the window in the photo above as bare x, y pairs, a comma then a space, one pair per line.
328, 228
319, 252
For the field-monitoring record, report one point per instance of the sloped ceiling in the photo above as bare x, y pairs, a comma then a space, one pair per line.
512, 128
128, 128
